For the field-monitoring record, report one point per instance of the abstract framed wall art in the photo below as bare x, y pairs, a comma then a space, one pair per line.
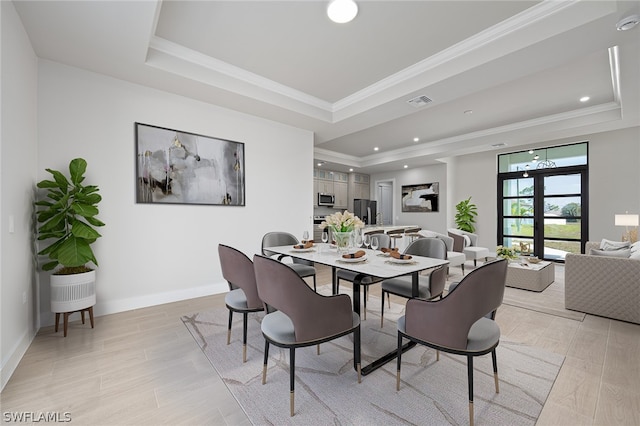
420, 198
176, 167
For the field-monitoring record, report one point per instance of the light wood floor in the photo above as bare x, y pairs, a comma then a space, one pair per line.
143, 367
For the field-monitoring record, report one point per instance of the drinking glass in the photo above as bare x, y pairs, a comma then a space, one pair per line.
358, 240
325, 236
374, 243
367, 240
305, 236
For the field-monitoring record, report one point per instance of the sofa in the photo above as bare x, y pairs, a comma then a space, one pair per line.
602, 285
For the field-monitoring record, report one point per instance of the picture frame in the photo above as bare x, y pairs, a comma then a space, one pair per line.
178, 167
420, 198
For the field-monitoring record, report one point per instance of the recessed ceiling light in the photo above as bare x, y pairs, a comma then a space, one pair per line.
320, 164
469, 111
350, 170
342, 11
376, 148
406, 166
499, 145
416, 139
628, 23
584, 98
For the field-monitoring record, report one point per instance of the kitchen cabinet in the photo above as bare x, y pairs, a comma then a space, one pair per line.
341, 191
359, 188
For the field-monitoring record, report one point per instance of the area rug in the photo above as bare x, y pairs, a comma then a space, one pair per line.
327, 391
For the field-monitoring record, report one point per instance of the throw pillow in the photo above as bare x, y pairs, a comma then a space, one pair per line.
613, 245
611, 253
635, 255
467, 241
635, 247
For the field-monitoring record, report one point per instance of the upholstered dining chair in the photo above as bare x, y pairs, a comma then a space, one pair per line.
430, 286
243, 298
298, 317
461, 327
341, 274
302, 267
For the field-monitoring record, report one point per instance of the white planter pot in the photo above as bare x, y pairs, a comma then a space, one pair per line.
74, 292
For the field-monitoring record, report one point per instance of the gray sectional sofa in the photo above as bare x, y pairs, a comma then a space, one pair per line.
602, 285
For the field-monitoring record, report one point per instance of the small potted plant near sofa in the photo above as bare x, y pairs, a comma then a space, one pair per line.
67, 221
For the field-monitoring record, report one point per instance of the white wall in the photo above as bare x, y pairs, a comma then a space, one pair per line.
18, 156
613, 182
152, 254
435, 221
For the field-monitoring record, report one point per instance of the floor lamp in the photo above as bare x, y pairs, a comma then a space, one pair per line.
628, 220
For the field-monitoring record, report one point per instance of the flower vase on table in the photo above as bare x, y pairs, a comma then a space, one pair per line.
342, 241
342, 226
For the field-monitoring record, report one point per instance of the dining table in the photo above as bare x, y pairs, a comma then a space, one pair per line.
375, 264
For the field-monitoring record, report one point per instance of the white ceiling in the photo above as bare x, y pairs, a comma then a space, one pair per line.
520, 66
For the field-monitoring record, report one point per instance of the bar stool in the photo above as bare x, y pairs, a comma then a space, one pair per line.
412, 234
394, 234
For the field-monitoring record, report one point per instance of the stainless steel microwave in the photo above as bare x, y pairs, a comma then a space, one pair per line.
326, 199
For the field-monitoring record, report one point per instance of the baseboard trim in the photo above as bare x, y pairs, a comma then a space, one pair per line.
15, 355
108, 307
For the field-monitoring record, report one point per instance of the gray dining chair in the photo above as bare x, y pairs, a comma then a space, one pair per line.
243, 298
430, 286
302, 267
341, 274
457, 323
298, 317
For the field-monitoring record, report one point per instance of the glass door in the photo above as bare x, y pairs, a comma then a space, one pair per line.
544, 214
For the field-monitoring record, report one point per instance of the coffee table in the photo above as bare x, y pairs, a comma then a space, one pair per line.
530, 276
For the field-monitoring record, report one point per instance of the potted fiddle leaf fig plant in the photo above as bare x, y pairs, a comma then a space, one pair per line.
67, 222
466, 215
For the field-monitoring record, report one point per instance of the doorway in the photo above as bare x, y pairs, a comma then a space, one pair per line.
384, 196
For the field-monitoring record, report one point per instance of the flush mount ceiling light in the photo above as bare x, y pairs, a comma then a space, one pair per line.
584, 98
342, 11
628, 23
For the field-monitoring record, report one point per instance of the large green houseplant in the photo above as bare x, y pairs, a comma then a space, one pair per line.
466, 215
67, 218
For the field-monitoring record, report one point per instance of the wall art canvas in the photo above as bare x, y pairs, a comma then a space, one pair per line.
420, 198
176, 167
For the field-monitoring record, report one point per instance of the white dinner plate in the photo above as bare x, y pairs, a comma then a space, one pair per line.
354, 260
394, 260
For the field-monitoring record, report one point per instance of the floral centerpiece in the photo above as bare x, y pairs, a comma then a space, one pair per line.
506, 253
342, 225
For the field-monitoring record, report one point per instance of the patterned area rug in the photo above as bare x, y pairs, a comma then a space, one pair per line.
327, 391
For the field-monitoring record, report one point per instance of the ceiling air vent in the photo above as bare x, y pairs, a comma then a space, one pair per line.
419, 101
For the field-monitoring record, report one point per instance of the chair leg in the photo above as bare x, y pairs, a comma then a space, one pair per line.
356, 352
389, 300
292, 377
57, 320
82, 315
462, 267
437, 355
470, 379
229, 327
264, 365
318, 349
244, 336
382, 312
475, 262
399, 361
314, 283
495, 370
66, 322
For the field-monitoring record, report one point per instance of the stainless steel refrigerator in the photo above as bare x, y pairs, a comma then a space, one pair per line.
365, 210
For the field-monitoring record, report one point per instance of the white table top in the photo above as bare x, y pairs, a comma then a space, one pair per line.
375, 265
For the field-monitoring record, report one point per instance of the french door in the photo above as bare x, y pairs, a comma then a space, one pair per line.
544, 212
